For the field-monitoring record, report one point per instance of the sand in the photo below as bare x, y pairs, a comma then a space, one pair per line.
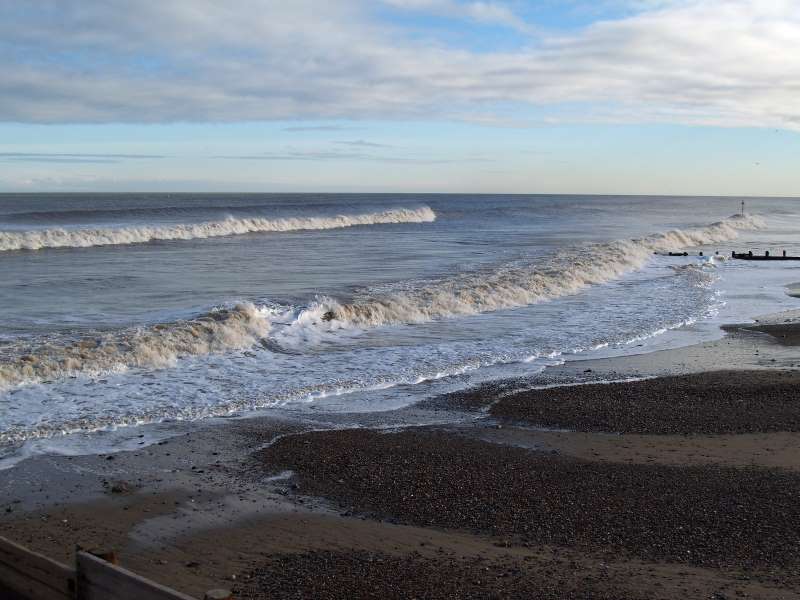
681, 486
702, 516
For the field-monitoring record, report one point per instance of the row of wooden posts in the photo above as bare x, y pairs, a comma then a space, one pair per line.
28, 575
765, 256
746, 255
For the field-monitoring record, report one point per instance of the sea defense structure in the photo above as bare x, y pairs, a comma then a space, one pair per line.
766, 256
739, 255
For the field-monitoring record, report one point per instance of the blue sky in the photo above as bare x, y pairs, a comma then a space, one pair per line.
616, 96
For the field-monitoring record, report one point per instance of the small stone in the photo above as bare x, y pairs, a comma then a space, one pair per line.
120, 487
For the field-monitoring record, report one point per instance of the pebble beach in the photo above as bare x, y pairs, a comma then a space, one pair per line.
660, 485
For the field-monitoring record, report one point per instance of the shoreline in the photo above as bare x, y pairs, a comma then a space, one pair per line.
696, 357
255, 504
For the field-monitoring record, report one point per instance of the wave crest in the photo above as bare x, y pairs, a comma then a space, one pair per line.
158, 346
245, 324
83, 238
515, 286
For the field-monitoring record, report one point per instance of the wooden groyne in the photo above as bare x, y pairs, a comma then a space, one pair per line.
683, 254
765, 256
27, 575
738, 255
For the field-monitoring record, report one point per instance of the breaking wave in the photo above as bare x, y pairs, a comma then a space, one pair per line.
82, 238
245, 325
514, 286
158, 346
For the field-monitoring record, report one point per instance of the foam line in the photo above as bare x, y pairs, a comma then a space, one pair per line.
514, 286
83, 238
504, 287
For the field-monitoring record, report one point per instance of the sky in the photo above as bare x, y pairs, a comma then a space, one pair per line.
698, 97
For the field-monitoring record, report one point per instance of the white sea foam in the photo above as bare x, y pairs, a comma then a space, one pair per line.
514, 286
245, 325
81, 238
154, 347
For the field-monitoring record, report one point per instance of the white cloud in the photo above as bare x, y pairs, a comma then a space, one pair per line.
492, 13
720, 62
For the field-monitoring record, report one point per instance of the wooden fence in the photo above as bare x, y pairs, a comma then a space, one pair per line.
27, 575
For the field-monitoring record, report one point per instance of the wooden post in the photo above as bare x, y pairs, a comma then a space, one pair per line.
766, 253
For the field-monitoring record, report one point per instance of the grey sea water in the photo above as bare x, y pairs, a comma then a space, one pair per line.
128, 309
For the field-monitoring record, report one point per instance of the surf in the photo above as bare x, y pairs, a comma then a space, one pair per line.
157, 346
516, 285
290, 329
117, 236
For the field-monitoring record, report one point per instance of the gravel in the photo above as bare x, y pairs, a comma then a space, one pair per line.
724, 402
358, 574
704, 516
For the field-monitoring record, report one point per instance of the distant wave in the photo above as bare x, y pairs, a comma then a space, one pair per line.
504, 287
82, 238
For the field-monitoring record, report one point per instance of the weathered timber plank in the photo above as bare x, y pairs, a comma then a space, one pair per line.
100, 580
32, 575
26, 588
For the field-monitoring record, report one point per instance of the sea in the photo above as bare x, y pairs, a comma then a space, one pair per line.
124, 317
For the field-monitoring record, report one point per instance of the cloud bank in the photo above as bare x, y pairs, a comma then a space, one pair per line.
713, 62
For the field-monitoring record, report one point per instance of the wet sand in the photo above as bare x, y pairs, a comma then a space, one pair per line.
787, 334
679, 486
773, 450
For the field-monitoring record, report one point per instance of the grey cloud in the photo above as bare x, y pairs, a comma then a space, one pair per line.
298, 156
347, 156
715, 62
491, 13
361, 144
74, 158
77, 155
319, 128
51, 159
